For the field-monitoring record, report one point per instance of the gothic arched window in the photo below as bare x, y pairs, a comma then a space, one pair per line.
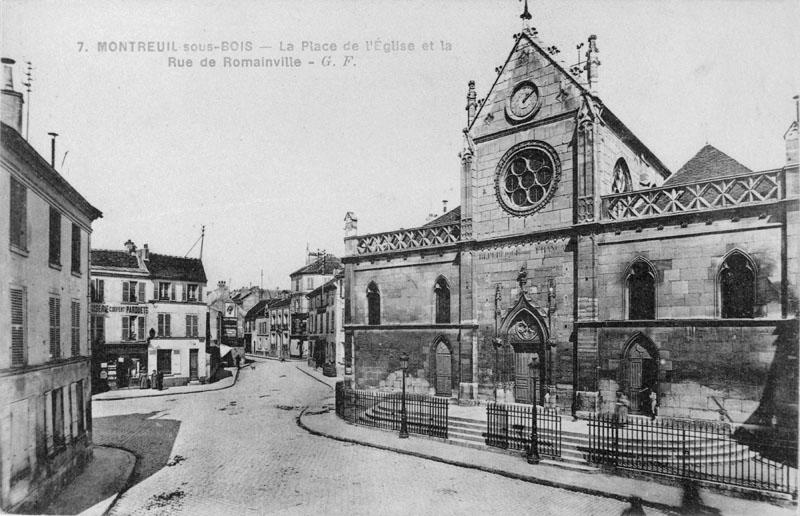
737, 286
442, 292
373, 304
622, 177
641, 284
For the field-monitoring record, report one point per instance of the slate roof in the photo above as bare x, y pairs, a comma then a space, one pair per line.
257, 310
163, 266
111, 258
330, 263
709, 163
451, 217
12, 140
328, 285
278, 303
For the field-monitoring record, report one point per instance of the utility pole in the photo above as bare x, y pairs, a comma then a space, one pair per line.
202, 241
27, 85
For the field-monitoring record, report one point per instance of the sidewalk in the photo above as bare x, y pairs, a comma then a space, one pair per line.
324, 422
98, 486
124, 394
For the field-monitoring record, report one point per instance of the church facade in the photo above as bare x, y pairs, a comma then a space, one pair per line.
579, 265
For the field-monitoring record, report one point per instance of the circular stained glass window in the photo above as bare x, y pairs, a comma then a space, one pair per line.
527, 177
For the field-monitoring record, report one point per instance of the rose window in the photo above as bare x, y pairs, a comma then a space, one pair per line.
527, 178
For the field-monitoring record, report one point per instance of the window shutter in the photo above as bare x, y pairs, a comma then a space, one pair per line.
142, 298
125, 292
126, 325
76, 328
141, 328
188, 325
101, 287
172, 294
17, 327
167, 325
199, 292
55, 327
184, 294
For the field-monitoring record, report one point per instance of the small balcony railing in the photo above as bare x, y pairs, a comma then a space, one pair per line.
414, 238
728, 192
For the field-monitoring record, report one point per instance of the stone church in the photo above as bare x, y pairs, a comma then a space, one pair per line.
578, 265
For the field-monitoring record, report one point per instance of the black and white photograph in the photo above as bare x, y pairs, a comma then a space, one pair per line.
399, 257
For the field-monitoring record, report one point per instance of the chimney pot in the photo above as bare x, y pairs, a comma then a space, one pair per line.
11, 105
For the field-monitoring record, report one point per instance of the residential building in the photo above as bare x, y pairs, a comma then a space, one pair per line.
325, 331
278, 314
579, 263
256, 336
45, 380
316, 271
148, 314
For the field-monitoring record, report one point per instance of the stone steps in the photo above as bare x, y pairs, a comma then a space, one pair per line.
575, 446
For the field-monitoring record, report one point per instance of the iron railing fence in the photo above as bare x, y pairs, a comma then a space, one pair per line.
701, 450
509, 426
425, 415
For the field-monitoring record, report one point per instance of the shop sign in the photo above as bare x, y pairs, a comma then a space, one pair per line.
100, 308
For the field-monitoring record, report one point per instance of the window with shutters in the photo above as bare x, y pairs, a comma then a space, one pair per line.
191, 326
98, 329
132, 328
55, 328
164, 325
191, 292
18, 216
132, 292
98, 290
76, 249
55, 237
76, 328
57, 399
166, 291
18, 334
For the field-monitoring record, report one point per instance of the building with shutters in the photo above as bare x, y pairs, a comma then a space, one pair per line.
325, 331
45, 391
578, 261
147, 314
319, 268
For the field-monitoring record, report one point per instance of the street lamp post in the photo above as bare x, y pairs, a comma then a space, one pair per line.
403, 418
533, 449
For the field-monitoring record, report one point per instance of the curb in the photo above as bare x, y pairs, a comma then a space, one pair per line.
235, 378
315, 378
127, 484
485, 469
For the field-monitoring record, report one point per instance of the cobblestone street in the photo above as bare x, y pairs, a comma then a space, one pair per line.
240, 450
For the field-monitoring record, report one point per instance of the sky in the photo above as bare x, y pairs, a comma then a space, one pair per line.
270, 159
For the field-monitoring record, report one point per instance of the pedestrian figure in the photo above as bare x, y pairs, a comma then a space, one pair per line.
622, 408
653, 405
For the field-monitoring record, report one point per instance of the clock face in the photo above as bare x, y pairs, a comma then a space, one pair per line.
523, 102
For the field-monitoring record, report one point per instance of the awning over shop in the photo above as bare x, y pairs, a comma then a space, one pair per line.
224, 350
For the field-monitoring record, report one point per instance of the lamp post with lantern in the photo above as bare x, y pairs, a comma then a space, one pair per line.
533, 449
403, 417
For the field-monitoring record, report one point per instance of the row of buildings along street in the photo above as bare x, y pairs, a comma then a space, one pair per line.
579, 285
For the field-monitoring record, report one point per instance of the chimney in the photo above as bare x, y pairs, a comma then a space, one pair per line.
444, 205
11, 105
592, 64
53, 149
145, 253
790, 137
130, 246
472, 104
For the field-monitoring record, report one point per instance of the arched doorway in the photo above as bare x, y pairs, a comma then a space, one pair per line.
526, 338
444, 382
640, 372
